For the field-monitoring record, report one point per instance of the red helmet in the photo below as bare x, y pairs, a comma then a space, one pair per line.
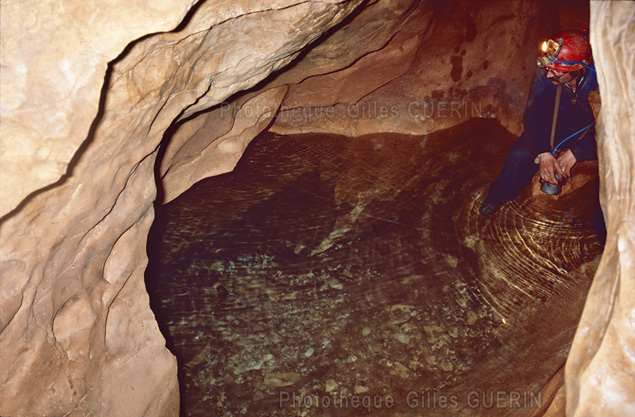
570, 45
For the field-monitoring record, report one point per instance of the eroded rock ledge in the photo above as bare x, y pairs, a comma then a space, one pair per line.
89, 91
83, 117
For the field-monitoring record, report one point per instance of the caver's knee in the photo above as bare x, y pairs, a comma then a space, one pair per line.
519, 152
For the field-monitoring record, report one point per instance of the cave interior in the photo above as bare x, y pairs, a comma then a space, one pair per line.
328, 268
215, 207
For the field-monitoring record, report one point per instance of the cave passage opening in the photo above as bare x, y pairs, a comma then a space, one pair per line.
335, 275
327, 269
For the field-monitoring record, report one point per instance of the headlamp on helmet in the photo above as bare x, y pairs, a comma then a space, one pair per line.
567, 51
550, 49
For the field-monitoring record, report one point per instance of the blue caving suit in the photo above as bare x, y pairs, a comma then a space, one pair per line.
574, 114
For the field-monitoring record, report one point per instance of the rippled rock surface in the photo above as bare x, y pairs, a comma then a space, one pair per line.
330, 275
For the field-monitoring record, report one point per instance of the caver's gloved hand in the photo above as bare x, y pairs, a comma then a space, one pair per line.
548, 166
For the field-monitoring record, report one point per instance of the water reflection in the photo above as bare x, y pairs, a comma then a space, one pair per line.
327, 271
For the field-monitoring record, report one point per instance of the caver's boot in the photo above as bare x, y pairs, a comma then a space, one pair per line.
489, 206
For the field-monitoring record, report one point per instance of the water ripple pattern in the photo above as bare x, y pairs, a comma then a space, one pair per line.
326, 270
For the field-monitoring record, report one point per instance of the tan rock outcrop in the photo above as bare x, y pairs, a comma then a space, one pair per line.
213, 143
601, 365
82, 119
399, 66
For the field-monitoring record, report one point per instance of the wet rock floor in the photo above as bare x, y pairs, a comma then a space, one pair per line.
336, 276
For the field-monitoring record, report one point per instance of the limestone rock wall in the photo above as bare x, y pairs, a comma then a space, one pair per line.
429, 66
88, 91
403, 66
54, 61
414, 67
601, 365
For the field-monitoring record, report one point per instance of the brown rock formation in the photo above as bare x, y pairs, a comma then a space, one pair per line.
88, 92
